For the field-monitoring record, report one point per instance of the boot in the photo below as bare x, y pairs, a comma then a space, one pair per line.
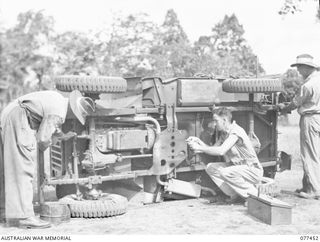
33, 223
308, 195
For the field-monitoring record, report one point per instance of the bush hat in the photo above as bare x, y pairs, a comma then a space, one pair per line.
305, 59
81, 106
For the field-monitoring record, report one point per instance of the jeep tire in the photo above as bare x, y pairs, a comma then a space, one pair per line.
252, 85
90, 84
108, 206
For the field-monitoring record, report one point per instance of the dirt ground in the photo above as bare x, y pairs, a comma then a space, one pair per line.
198, 216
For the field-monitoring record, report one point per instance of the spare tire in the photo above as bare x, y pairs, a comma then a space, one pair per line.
107, 206
90, 84
252, 85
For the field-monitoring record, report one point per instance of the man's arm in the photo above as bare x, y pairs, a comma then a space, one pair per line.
215, 150
303, 94
49, 125
286, 108
59, 135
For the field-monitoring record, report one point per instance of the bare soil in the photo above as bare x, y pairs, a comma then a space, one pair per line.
198, 216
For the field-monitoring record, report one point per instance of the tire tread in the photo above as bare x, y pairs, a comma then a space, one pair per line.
90, 84
252, 85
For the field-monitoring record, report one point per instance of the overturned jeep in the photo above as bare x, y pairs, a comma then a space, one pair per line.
136, 138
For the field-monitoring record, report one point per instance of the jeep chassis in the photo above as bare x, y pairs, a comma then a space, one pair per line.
135, 140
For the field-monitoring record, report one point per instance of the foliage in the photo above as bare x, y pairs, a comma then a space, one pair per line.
132, 46
24, 51
293, 6
290, 6
128, 48
227, 51
292, 81
172, 32
75, 54
172, 52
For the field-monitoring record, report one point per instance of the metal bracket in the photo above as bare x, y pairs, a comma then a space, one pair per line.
171, 118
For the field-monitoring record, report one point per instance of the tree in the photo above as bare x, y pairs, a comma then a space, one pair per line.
133, 46
25, 52
127, 51
172, 52
292, 81
171, 30
293, 6
226, 50
75, 54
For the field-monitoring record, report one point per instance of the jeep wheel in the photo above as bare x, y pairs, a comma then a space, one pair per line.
107, 206
90, 84
253, 85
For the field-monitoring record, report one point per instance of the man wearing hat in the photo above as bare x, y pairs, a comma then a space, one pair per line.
35, 117
307, 101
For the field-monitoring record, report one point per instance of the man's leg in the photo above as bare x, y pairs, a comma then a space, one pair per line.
242, 179
214, 171
2, 192
18, 142
310, 153
306, 187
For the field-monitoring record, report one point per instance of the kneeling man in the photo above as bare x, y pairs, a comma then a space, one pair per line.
242, 169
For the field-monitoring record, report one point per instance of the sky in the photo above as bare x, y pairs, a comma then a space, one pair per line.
277, 40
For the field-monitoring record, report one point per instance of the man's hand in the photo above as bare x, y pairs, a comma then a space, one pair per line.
281, 106
68, 135
287, 107
63, 136
43, 145
195, 144
284, 108
193, 139
196, 147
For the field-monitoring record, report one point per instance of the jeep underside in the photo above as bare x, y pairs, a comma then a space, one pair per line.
135, 140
